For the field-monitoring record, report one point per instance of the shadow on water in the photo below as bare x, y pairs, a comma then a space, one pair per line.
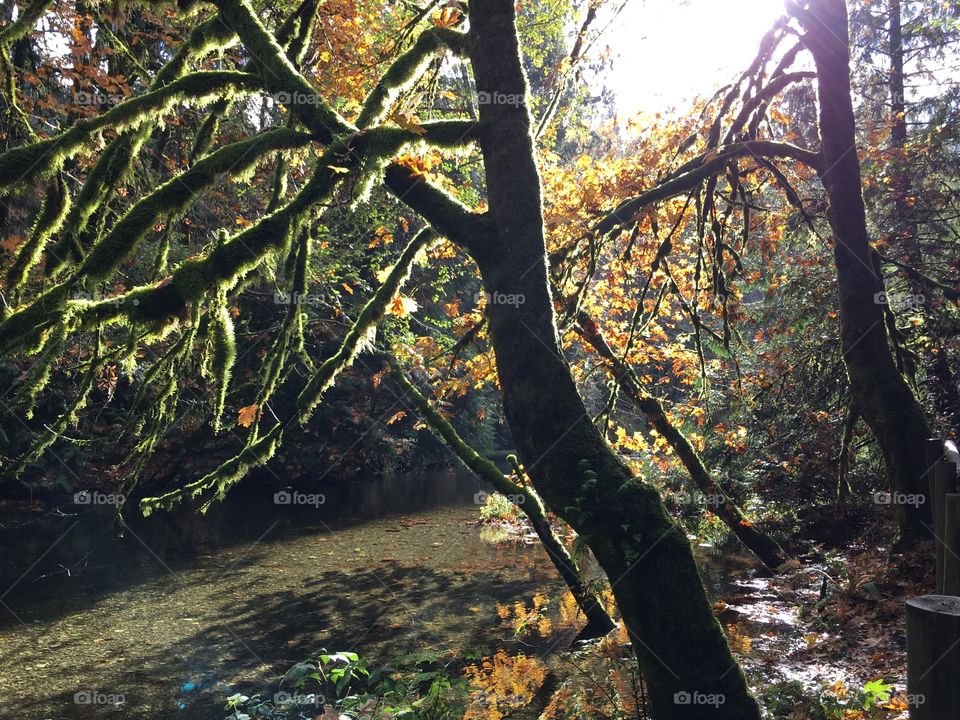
82, 547
182, 611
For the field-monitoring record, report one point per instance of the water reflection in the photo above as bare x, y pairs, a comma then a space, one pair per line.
179, 609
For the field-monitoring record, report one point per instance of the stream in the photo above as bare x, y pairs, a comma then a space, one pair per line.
172, 614
180, 610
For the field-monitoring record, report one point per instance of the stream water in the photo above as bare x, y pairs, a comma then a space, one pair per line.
177, 612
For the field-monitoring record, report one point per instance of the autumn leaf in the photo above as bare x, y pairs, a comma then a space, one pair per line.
347, 288
401, 306
416, 165
397, 416
11, 243
408, 122
246, 416
381, 236
338, 169
448, 17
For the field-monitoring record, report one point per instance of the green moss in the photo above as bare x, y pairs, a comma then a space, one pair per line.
29, 15
406, 70
359, 332
116, 160
207, 131
41, 158
66, 419
222, 356
221, 479
295, 32
51, 216
279, 74
38, 376
173, 197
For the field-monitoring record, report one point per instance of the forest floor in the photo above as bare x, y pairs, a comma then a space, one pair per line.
824, 640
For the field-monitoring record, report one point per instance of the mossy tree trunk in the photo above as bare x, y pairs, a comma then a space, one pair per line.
883, 396
679, 644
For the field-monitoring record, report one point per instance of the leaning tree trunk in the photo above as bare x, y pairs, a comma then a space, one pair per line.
883, 397
683, 655
760, 544
527, 502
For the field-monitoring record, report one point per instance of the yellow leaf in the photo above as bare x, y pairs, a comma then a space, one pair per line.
397, 416
447, 17
408, 122
338, 169
347, 288
401, 306
416, 165
248, 415
11, 242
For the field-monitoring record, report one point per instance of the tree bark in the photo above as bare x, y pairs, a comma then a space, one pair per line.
885, 400
680, 646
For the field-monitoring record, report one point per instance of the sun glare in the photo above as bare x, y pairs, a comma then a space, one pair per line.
666, 52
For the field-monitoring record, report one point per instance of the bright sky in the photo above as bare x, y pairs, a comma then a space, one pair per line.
668, 51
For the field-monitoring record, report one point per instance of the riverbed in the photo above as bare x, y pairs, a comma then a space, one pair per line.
170, 615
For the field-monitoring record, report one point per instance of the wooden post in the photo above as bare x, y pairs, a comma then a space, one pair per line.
933, 657
944, 482
951, 543
933, 451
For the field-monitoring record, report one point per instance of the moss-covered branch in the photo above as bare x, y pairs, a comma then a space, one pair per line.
279, 75
29, 15
173, 197
158, 303
691, 174
448, 215
66, 419
295, 32
55, 207
259, 451
115, 161
22, 164
760, 544
406, 70
359, 334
